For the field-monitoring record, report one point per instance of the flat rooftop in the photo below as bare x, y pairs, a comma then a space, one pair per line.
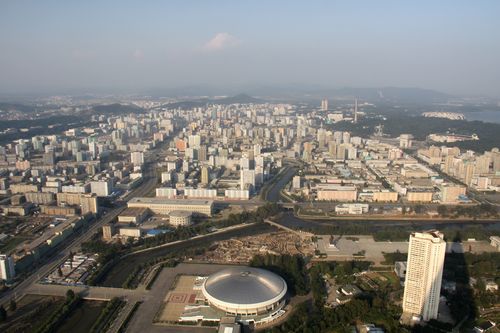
165, 201
133, 211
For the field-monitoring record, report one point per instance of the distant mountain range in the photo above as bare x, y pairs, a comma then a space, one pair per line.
292, 94
17, 107
394, 94
117, 108
308, 93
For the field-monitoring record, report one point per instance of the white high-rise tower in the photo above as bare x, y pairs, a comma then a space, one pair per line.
7, 271
324, 105
424, 272
356, 110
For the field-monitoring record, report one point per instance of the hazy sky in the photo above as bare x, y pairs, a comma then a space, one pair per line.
98, 46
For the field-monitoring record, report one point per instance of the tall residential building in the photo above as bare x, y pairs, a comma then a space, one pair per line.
7, 271
137, 158
257, 149
49, 158
247, 177
355, 110
108, 231
101, 188
496, 161
202, 153
194, 141
468, 172
321, 137
296, 182
89, 204
204, 175
424, 272
324, 105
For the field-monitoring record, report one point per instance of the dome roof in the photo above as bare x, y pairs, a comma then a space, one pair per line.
245, 286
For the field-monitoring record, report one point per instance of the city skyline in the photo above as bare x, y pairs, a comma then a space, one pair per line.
251, 166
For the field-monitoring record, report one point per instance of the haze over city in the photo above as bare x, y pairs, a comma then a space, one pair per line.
249, 166
227, 47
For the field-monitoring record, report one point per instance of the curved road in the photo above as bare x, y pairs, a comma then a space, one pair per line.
273, 194
53, 261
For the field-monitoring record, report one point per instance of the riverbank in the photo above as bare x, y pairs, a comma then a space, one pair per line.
117, 275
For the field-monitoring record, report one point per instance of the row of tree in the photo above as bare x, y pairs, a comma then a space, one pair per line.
315, 317
291, 268
185, 232
107, 314
484, 210
60, 314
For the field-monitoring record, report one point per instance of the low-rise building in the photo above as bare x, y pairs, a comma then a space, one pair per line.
180, 218
495, 242
133, 215
352, 209
338, 193
165, 206
108, 231
419, 196
400, 270
130, 232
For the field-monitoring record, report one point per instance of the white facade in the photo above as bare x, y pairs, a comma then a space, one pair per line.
137, 158
166, 192
84, 188
352, 209
130, 232
247, 177
165, 206
296, 182
194, 141
237, 194
424, 273
166, 177
7, 271
180, 218
200, 193
101, 188
245, 292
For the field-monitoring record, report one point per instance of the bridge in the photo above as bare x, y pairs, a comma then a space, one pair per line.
302, 234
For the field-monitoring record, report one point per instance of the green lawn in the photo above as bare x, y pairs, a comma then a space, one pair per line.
12, 243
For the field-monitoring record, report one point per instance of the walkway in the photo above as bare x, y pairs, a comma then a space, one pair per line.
302, 234
90, 293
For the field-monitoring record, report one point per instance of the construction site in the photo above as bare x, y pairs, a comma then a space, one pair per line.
241, 250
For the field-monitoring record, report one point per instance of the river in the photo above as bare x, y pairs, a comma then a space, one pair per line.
291, 221
119, 273
273, 195
486, 116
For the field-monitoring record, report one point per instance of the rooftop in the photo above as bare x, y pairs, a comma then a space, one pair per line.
165, 201
245, 285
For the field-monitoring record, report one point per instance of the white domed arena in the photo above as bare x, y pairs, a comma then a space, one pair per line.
251, 294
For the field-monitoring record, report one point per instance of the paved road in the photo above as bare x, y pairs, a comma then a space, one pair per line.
219, 231
87, 292
302, 234
347, 246
121, 316
74, 245
142, 321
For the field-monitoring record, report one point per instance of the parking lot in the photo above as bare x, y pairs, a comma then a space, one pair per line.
349, 247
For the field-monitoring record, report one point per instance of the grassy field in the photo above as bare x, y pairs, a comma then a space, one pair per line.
12, 243
82, 318
377, 280
31, 311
